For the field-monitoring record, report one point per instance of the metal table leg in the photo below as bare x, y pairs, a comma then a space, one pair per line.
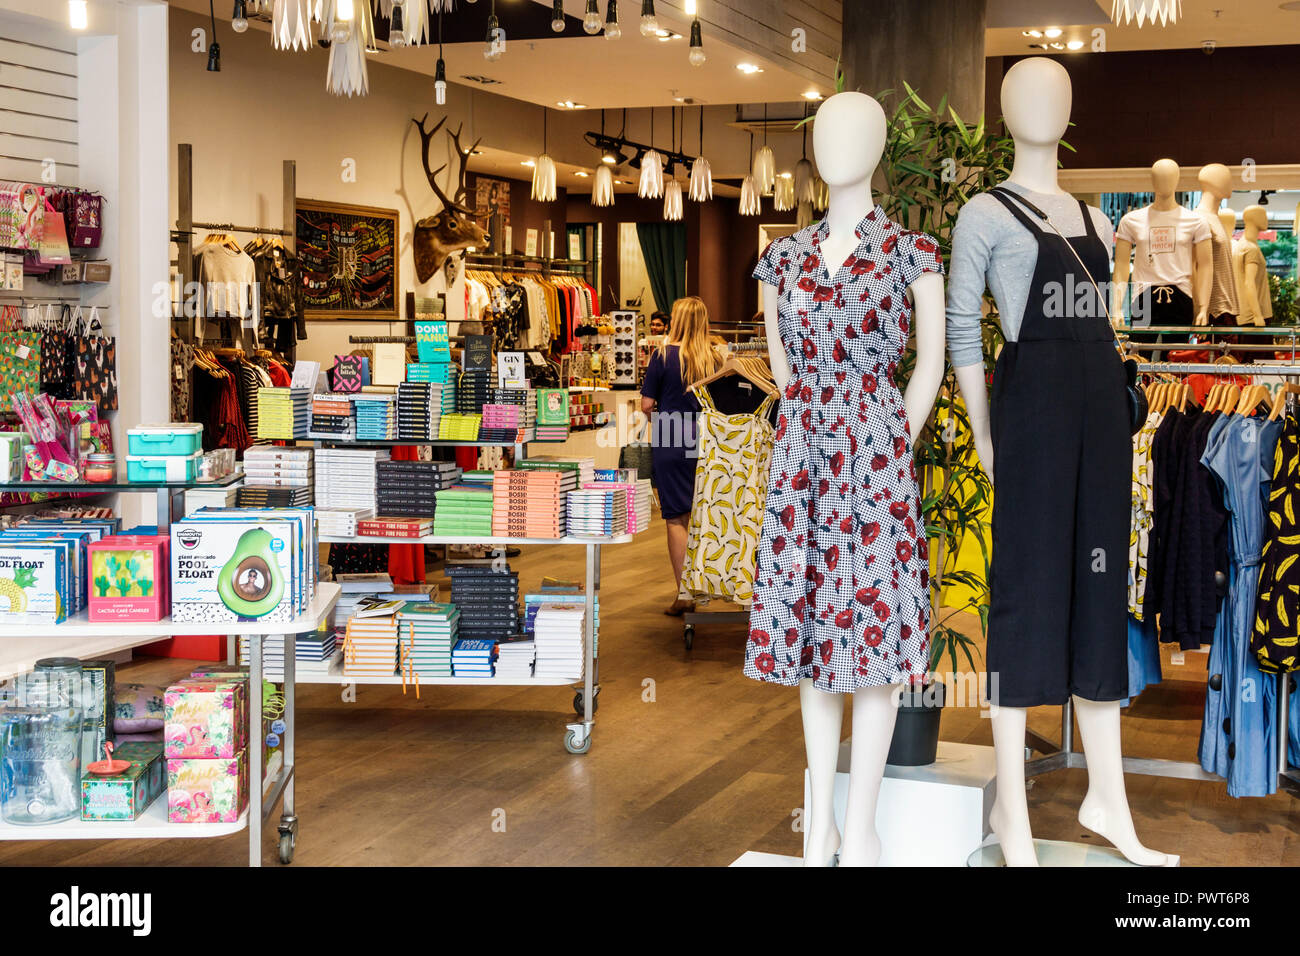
577, 739
288, 828
255, 750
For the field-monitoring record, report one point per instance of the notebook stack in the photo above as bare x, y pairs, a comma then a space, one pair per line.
552, 414
315, 655
597, 513
531, 503
473, 389
488, 601
340, 522
283, 413
473, 657
427, 632
370, 647
463, 510
515, 656
637, 498
558, 636
277, 477
409, 488
459, 427
345, 477
333, 417
419, 411
376, 416
500, 423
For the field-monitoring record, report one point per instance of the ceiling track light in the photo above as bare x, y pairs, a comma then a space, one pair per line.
612, 30
697, 56
649, 22
557, 16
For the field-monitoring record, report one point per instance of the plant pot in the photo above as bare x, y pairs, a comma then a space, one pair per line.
916, 731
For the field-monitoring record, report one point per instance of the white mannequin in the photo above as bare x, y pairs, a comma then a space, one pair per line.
1036, 100
848, 140
1216, 186
1164, 182
1256, 307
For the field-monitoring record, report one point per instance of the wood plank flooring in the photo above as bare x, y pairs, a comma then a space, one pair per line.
692, 764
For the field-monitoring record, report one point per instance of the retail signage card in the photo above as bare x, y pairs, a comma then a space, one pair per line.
530, 242
478, 353
510, 370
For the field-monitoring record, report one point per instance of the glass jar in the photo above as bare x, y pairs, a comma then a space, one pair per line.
40, 733
99, 468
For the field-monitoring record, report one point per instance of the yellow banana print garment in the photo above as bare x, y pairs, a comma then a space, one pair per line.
1277, 630
1143, 514
730, 492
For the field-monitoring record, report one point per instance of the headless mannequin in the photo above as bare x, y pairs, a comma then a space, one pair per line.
1164, 181
1216, 186
848, 140
1228, 219
1036, 100
1249, 291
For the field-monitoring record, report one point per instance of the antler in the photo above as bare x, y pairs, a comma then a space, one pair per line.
463, 190
426, 137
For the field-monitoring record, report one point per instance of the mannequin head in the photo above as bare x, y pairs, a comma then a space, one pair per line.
1256, 219
1228, 218
1036, 99
1216, 179
848, 138
1164, 177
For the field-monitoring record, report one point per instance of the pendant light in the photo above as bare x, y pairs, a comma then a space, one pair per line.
697, 56
396, 26
1163, 12
750, 203
701, 172
673, 201
651, 185
239, 18
591, 19
352, 30
612, 30
78, 17
291, 24
214, 48
803, 173
602, 188
821, 194
440, 71
557, 16
765, 163
415, 23
804, 215
544, 169
783, 193
649, 22
494, 44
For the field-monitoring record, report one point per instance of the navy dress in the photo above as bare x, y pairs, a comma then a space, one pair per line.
674, 447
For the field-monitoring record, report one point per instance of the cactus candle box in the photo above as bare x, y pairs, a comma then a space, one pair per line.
207, 791
225, 571
125, 795
129, 577
34, 581
205, 718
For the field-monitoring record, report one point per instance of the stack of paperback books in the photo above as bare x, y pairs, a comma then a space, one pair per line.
427, 632
531, 503
488, 601
392, 526
333, 417
409, 488
597, 512
459, 427
472, 389
473, 657
345, 477
585, 468
283, 413
376, 416
340, 522
558, 635
316, 654
637, 495
419, 411
276, 477
464, 509
515, 656
500, 423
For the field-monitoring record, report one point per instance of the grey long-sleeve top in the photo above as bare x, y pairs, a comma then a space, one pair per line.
991, 248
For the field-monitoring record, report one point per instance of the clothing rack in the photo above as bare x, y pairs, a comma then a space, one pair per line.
501, 262
753, 345
1063, 756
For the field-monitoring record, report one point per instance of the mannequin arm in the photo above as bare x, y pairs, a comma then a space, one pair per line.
930, 319
1203, 281
970, 380
775, 350
1119, 281
1252, 313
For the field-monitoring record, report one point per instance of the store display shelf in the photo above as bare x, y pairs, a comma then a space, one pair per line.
151, 825
399, 442
336, 676
102, 487
470, 539
18, 655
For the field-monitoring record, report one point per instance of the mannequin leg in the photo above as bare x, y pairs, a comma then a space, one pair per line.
1009, 817
823, 716
875, 709
1105, 809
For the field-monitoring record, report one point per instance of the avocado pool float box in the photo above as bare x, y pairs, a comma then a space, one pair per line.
235, 570
34, 581
308, 551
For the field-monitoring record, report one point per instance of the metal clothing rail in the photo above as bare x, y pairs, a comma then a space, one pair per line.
1218, 368
381, 339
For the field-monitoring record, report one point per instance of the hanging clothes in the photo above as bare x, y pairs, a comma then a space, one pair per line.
1275, 636
735, 452
227, 277
281, 293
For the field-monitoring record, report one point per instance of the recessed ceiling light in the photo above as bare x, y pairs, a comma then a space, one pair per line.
1075, 45
528, 162
1052, 32
812, 94
570, 105
1031, 33
666, 35
619, 182
749, 68
582, 174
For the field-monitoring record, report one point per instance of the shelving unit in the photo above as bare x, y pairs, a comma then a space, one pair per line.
167, 492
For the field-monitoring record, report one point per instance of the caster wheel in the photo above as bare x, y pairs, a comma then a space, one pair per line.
577, 703
574, 748
688, 636
287, 841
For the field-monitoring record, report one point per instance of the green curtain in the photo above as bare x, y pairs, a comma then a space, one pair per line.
663, 246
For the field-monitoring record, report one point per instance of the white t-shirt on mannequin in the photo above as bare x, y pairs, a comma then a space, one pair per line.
1164, 246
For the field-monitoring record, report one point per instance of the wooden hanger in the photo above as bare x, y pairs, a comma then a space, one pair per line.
734, 366
1279, 400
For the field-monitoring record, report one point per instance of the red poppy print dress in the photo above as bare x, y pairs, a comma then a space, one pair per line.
841, 583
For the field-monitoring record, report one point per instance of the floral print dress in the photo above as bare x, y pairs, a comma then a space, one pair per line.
841, 583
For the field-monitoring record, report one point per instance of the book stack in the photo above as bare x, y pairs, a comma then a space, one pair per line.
393, 526
596, 512
552, 414
276, 477
283, 413
315, 655
440, 373
472, 391
560, 594
427, 632
333, 417
345, 477
419, 411
473, 657
500, 423
459, 427
340, 522
637, 500
463, 510
515, 656
376, 416
409, 488
488, 601
585, 468
531, 503
370, 645
355, 588
557, 634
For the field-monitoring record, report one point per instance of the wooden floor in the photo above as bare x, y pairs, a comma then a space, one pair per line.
692, 764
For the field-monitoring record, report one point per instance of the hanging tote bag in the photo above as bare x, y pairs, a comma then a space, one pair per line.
53, 328
20, 357
96, 368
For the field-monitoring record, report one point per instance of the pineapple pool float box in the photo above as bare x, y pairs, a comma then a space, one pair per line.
34, 581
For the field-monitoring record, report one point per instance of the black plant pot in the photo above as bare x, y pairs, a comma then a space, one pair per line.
916, 732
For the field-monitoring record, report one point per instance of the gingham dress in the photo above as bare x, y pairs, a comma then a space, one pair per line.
842, 575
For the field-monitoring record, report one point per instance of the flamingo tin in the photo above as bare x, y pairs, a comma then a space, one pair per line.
205, 718
206, 791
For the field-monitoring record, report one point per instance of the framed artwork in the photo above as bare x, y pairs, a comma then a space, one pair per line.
349, 258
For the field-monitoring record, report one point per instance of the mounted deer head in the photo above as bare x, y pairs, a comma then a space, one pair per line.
453, 228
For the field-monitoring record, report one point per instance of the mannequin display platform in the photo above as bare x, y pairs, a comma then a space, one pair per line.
841, 585
1058, 448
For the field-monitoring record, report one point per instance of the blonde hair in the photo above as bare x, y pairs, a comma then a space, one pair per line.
689, 331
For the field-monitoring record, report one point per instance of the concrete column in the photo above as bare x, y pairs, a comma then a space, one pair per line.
936, 46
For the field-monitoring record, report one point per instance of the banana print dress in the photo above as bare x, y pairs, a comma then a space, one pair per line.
841, 586
730, 491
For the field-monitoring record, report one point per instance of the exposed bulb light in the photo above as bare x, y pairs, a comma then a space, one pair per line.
750, 204
591, 20
673, 211
557, 16
649, 22
397, 27
691, 8
494, 45
602, 188
78, 17
239, 19
1074, 45
697, 56
612, 30
440, 83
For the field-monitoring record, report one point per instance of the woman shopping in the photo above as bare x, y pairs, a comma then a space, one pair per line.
685, 358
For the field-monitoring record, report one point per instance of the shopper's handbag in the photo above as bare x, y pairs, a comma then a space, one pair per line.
95, 376
1137, 398
638, 454
20, 357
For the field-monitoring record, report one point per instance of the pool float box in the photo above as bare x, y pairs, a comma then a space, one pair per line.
35, 585
226, 571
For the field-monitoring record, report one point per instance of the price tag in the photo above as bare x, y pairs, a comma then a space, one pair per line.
1177, 658
22, 352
